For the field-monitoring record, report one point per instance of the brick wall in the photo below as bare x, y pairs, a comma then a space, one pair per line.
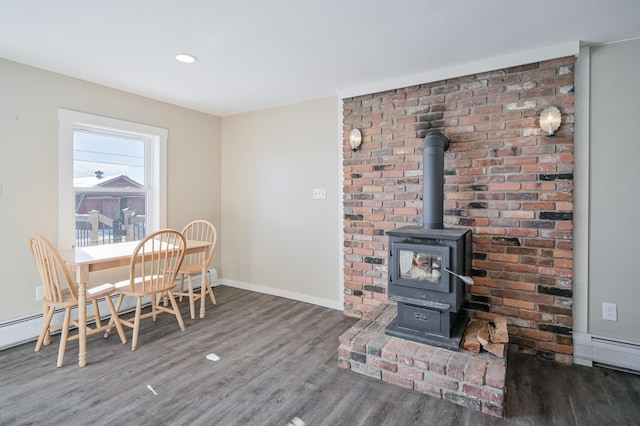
504, 179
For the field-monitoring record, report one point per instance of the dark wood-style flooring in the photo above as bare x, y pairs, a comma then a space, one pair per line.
278, 360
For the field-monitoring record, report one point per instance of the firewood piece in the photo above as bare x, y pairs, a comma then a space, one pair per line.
470, 341
495, 348
484, 334
499, 333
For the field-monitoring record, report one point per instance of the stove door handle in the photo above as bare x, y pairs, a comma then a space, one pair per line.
466, 279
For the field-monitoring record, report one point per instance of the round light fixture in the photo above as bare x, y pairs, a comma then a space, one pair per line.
186, 58
550, 119
355, 139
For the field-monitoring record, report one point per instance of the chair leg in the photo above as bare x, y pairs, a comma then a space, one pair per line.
136, 324
154, 302
45, 328
96, 313
176, 310
163, 296
115, 320
64, 337
192, 305
181, 287
47, 337
112, 320
210, 291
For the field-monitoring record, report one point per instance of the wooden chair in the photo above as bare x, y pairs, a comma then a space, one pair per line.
200, 230
153, 270
59, 292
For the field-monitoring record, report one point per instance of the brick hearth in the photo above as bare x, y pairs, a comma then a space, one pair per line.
475, 381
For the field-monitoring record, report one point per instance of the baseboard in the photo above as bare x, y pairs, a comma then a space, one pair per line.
331, 304
589, 350
27, 329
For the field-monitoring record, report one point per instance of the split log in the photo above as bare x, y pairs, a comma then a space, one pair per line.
495, 348
470, 341
499, 333
484, 334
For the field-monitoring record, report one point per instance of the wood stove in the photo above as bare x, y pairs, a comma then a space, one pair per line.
425, 263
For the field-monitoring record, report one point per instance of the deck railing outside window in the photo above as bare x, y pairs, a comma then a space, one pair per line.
95, 228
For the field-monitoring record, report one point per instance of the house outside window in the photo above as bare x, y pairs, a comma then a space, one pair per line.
112, 180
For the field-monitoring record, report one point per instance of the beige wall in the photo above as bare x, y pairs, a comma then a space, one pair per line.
29, 103
614, 177
276, 237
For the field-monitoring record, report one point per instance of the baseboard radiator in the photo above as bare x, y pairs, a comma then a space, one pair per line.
27, 329
594, 350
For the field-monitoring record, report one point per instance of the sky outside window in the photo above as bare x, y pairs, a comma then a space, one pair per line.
113, 155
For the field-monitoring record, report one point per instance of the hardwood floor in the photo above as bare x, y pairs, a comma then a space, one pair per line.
278, 360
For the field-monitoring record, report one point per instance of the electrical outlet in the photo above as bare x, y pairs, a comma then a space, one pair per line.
319, 193
38, 293
610, 311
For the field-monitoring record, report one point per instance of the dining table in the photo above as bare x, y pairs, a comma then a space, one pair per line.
83, 260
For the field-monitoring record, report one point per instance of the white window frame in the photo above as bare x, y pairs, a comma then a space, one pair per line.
155, 168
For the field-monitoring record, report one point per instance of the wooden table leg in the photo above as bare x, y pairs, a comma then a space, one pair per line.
82, 326
82, 277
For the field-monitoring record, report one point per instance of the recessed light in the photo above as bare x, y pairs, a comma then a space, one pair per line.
186, 58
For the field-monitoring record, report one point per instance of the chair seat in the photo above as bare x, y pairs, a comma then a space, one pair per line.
124, 286
99, 290
190, 269
94, 291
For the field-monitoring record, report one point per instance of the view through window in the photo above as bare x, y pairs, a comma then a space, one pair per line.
109, 186
112, 180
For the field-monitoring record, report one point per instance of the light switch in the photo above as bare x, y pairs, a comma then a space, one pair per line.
319, 193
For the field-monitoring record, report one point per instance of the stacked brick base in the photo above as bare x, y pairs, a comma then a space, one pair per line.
475, 381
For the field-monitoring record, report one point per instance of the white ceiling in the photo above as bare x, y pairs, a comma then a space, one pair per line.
257, 54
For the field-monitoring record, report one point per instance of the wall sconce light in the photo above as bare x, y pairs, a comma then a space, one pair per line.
355, 139
550, 120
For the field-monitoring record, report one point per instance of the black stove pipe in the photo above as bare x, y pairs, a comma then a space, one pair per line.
435, 144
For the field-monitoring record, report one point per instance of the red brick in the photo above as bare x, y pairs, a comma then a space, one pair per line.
439, 361
345, 338
344, 352
407, 352
366, 370
382, 364
423, 357
475, 371
496, 376
428, 389
473, 390
391, 348
443, 382
410, 372
493, 395
397, 379
519, 304
456, 366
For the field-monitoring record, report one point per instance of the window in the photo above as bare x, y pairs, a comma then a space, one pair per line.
112, 180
